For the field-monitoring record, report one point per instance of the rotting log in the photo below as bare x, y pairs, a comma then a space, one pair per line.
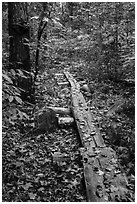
103, 177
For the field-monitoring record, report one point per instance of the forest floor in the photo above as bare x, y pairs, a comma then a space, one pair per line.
29, 172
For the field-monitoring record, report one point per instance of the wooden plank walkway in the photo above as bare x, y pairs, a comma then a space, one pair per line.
103, 178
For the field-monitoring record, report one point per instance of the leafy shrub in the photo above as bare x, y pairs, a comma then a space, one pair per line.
11, 97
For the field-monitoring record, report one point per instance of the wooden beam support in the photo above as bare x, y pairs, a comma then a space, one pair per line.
65, 120
60, 110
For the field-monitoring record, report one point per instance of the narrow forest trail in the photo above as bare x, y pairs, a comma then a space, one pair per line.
39, 176
51, 167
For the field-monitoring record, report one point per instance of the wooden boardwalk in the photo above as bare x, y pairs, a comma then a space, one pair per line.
103, 178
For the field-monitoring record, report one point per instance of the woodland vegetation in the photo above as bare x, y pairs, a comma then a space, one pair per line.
95, 41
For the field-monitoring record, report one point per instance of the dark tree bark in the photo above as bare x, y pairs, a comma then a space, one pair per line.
71, 7
116, 43
19, 33
19, 52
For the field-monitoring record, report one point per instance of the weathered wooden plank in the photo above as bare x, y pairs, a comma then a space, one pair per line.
82, 114
103, 179
60, 110
92, 180
113, 182
95, 176
112, 174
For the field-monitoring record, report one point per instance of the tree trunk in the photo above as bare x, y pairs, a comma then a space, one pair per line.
19, 52
70, 6
19, 33
41, 28
116, 54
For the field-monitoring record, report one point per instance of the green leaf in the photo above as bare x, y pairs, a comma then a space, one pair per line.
20, 114
11, 152
27, 186
57, 23
34, 17
41, 189
75, 182
8, 79
18, 164
21, 74
40, 175
26, 40
32, 196
18, 99
13, 72
13, 111
11, 99
25, 115
45, 19
14, 114
5, 96
16, 90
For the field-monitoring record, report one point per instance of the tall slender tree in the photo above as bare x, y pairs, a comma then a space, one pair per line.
43, 23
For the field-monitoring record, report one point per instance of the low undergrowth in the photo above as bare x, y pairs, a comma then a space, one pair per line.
29, 170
